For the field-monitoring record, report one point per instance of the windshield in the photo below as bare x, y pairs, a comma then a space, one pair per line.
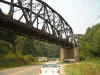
49, 66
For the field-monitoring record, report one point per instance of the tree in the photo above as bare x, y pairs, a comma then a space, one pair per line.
29, 47
20, 43
96, 42
90, 43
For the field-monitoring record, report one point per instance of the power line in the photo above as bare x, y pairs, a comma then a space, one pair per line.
84, 17
97, 10
95, 20
93, 14
79, 13
92, 4
81, 9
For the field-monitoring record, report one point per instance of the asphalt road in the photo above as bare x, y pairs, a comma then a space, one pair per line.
28, 70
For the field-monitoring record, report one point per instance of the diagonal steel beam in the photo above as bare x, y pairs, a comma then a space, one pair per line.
37, 14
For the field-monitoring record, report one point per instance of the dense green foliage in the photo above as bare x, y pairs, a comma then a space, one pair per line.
23, 49
89, 54
90, 43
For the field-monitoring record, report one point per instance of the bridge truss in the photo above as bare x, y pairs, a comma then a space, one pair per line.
37, 18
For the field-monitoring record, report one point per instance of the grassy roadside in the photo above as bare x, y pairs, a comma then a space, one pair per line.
87, 67
7, 64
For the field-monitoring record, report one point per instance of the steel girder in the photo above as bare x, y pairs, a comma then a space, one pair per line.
38, 14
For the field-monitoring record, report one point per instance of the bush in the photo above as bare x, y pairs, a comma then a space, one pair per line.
29, 58
10, 56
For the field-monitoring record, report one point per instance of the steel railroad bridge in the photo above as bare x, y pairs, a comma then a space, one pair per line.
36, 19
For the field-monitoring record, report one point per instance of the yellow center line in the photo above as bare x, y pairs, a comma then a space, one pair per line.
21, 71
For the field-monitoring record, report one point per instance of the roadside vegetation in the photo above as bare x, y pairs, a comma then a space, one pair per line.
87, 67
90, 43
16, 50
89, 54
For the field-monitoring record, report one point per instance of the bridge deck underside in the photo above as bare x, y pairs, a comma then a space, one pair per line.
11, 25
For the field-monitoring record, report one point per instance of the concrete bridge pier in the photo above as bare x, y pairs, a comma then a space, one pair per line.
69, 54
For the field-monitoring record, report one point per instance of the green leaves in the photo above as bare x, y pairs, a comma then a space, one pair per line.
16, 47
90, 43
96, 42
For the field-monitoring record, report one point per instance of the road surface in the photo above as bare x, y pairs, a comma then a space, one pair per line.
28, 70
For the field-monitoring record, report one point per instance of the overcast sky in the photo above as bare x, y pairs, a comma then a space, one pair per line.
80, 14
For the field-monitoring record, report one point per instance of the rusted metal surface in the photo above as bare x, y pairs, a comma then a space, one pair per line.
40, 21
11, 25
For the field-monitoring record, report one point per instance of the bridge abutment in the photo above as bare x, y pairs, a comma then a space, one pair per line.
69, 54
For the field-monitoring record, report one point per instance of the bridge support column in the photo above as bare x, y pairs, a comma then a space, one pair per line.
76, 54
69, 54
